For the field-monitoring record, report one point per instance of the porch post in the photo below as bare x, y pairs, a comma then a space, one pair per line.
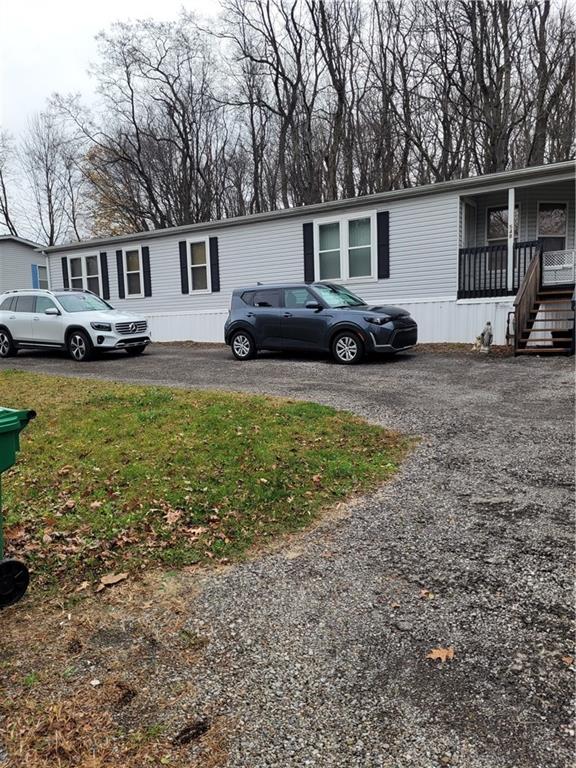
511, 206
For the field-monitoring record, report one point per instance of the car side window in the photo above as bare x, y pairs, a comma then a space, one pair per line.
6, 304
25, 303
248, 298
43, 303
267, 299
296, 298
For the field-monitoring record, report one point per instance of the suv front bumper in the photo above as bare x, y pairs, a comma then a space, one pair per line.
110, 341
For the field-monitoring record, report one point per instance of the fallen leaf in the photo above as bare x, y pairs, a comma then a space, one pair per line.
95, 683
172, 516
317, 478
15, 532
70, 504
568, 660
96, 505
65, 470
112, 578
263, 480
84, 585
444, 654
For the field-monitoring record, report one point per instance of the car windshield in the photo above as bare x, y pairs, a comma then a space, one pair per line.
82, 302
337, 296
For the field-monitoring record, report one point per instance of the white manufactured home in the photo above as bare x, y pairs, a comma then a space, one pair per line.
455, 254
21, 264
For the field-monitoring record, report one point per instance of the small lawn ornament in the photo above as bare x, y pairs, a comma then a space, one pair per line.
484, 340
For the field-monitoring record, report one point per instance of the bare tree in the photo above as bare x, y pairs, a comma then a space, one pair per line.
7, 158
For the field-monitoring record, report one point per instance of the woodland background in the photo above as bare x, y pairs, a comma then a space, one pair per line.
281, 103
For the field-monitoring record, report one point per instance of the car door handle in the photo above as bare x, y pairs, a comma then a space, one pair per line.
12, 317
36, 319
288, 314
249, 314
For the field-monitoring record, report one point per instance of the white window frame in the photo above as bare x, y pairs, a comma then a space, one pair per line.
192, 241
552, 202
84, 271
343, 221
43, 266
133, 272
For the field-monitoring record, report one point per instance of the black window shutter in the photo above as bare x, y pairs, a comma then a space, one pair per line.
183, 246
104, 275
147, 279
120, 270
214, 265
308, 234
383, 250
65, 279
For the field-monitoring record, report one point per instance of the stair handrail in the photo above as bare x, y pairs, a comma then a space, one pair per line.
526, 296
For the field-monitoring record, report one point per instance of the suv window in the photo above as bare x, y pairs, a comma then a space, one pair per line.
6, 304
248, 298
25, 303
43, 303
267, 298
296, 298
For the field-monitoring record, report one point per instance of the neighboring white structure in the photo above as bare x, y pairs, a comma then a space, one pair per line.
453, 253
21, 264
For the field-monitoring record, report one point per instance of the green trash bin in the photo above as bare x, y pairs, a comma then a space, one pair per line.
14, 575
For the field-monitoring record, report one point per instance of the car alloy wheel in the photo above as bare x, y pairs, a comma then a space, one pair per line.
241, 345
346, 348
5, 344
78, 347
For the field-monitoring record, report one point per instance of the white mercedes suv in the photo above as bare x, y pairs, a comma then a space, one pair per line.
78, 321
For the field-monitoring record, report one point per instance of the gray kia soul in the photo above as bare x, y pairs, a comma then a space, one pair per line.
317, 316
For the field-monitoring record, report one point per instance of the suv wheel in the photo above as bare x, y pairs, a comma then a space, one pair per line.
79, 346
7, 348
347, 348
243, 347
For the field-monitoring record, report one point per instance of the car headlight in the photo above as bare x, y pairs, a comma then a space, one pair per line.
101, 326
379, 320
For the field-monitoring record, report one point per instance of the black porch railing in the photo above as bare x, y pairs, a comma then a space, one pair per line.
483, 271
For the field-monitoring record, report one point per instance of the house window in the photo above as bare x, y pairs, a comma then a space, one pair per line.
497, 225
43, 277
552, 219
497, 234
345, 249
84, 273
133, 272
199, 267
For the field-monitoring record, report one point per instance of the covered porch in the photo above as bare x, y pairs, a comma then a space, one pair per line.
502, 230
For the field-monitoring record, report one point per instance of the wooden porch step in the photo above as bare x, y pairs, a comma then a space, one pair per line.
561, 309
559, 338
545, 300
541, 350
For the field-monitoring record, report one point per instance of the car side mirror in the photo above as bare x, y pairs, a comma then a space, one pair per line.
51, 311
313, 305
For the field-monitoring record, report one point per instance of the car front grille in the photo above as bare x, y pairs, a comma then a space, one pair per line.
139, 326
405, 338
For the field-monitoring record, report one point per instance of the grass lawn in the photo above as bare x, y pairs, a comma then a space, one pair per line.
115, 477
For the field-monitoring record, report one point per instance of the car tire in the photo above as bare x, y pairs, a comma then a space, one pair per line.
243, 346
347, 348
134, 351
79, 346
7, 346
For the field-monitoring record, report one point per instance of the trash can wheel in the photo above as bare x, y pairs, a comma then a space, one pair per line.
14, 578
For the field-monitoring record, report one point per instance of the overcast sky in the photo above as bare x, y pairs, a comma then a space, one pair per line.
47, 46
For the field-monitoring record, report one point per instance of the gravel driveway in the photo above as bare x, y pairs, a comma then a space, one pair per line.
317, 652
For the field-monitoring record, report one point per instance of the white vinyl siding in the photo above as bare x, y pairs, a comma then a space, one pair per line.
16, 261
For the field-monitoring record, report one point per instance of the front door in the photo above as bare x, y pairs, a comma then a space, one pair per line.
302, 327
47, 329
